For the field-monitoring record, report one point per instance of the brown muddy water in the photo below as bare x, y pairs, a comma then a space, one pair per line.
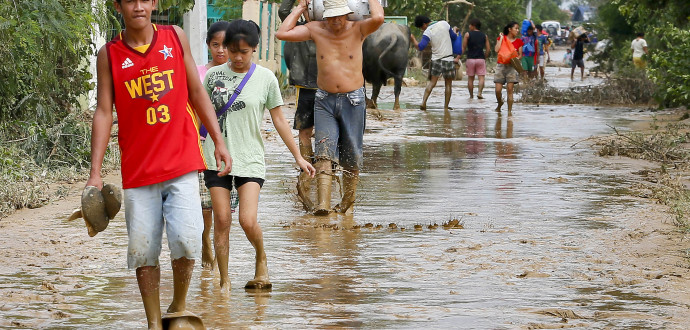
534, 207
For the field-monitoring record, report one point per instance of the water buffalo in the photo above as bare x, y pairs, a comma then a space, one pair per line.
385, 55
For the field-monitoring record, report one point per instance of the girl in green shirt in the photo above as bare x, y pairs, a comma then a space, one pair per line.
241, 128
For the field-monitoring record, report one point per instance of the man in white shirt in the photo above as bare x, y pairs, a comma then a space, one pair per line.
441, 37
639, 48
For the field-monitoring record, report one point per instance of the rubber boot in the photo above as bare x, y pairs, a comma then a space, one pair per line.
323, 194
350, 182
304, 181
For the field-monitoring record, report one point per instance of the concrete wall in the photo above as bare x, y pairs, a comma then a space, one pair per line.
194, 23
265, 14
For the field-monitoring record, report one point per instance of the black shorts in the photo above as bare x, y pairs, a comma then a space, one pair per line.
213, 180
304, 115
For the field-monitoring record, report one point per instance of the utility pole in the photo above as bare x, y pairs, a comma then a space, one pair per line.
529, 9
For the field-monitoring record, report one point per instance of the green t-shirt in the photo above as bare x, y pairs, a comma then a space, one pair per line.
240, 125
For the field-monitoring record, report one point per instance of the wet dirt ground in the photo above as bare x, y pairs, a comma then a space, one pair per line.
549, 236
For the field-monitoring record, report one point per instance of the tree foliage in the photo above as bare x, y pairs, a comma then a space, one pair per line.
43, 46
494, 14
665, 24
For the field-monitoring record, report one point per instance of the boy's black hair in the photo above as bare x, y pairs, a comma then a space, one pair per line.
640, 34
539, 28
476, 23
215, 28
240, 29
421, 20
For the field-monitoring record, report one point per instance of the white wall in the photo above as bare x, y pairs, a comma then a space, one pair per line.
195, 27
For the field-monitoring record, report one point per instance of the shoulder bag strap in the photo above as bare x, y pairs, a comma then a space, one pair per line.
202, 130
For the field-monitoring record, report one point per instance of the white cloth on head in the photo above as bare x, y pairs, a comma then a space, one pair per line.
334, 8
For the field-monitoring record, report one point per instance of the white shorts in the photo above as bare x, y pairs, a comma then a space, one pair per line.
174, 205
542, 61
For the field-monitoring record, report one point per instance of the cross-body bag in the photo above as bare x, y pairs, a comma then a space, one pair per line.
202, 130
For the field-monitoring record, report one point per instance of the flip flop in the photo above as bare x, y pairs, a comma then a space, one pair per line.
93, 209
182, 320
112, 196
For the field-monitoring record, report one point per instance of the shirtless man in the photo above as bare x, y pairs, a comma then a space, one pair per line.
340, 110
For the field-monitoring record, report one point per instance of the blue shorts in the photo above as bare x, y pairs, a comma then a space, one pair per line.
339, 120
173, 205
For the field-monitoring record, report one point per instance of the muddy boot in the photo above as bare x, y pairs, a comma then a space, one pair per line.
304, 181
323, 194
349, 187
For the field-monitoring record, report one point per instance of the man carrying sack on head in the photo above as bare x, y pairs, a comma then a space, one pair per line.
340, 108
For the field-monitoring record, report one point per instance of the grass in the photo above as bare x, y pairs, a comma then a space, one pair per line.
37, 162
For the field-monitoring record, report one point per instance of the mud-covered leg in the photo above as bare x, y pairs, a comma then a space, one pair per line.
249, 203
427, 91
304, 180
509, 90
149, 278
182, 275
448, 92
222, 217
206, 245
499, 96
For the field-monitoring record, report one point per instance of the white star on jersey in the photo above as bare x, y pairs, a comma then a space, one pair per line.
167, 51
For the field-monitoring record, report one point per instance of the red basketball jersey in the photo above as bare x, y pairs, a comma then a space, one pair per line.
157, 129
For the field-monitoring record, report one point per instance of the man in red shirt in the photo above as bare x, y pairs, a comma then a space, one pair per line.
148, 73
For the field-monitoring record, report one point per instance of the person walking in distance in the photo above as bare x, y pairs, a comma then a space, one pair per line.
476, 45
639, 49
340, 108
578, 47
148, 74
543, 40
241, 127
505, 72
441, 36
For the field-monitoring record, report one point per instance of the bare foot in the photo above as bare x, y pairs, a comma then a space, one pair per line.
500, 104
257, 284
260, 281
480, 97
207, 260
225, 288
422, 107
472, 96
174, 308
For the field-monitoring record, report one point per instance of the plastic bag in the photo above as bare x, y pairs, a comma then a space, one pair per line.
506, 52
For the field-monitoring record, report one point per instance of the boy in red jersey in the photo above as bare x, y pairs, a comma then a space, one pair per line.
148, 73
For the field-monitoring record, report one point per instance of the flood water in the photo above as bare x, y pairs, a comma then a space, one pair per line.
532, 202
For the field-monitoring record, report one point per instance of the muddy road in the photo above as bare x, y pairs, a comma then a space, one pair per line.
548, 236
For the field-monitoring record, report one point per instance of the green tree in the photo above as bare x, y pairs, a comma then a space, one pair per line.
665, 24
494, 14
